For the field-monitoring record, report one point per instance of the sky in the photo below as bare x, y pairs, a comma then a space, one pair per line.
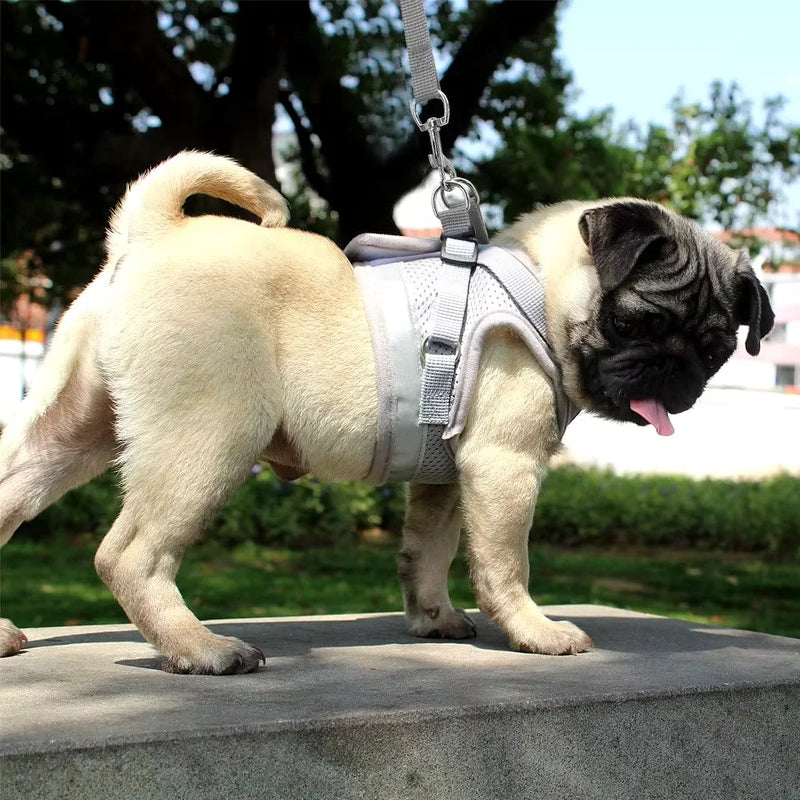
635, 55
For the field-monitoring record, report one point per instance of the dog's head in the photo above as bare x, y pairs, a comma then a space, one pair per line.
671, 300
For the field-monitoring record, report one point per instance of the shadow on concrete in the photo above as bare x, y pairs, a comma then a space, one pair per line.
293, 637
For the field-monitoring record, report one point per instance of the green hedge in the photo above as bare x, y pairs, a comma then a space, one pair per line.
576, 507
582, 507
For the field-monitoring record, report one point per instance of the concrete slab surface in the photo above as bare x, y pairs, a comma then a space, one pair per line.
352, 706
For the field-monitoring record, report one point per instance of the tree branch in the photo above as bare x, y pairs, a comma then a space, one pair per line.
254, 73
125, 35
308, 161
333, 111
487, 45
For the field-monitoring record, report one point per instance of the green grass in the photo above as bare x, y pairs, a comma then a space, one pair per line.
54, 583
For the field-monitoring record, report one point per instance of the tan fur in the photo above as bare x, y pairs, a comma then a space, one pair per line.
572, 288
208, 343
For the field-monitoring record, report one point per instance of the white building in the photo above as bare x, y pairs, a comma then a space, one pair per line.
778, 268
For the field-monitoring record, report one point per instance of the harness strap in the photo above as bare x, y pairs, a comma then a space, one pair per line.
441, 350
463, 222
521, 283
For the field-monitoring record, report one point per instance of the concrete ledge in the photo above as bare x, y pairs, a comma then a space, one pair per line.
352, 707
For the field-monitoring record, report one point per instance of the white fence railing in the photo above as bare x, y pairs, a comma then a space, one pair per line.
19, 360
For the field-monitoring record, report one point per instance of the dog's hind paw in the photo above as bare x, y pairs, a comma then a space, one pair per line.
442, 623
11, 638
236, 658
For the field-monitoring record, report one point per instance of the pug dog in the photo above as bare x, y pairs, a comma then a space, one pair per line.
208, 343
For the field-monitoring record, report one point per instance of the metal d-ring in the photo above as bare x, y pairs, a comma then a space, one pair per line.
440, 192
439, 121
431, 340
469, 192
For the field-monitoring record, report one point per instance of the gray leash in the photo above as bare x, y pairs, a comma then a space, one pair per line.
457, 205
455, 201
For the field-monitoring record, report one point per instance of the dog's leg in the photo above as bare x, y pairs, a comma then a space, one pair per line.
430, 541
176, 476
138, 560
502, 458
45, 453
68, 445
38, 472
498, 524
62, 435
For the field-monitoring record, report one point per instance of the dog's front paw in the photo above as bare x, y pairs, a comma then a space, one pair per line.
234, 657
11, 638
553, 639
442, 623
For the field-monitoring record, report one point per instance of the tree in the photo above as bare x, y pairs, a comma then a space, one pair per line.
714, 162
94, 93
97, 92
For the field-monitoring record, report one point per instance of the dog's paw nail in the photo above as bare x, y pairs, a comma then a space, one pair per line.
12, 639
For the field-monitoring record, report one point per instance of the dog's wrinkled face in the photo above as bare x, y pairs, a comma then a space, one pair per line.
672, 299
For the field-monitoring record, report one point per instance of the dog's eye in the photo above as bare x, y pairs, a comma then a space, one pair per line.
622, 326
657, 324
714, 358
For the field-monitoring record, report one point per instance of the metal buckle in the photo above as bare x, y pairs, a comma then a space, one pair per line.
467, 190
449, 182
459, 252
440, 121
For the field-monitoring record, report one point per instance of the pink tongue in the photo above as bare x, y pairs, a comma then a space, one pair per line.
655, 414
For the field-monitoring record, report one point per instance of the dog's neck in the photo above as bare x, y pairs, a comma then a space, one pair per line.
562, 261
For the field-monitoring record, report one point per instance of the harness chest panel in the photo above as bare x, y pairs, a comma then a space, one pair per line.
399, 282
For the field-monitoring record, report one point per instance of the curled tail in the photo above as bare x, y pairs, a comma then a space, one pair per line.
154, 203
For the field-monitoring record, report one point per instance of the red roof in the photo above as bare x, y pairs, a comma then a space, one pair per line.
763, 234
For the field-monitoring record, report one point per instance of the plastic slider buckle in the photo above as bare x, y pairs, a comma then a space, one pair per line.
459, 252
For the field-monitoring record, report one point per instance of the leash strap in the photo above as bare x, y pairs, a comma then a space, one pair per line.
455, 202
424, 80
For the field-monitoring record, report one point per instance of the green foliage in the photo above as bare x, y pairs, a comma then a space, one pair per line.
128, 83
577, 507
726, 166
305, 512
592, 507
716, 161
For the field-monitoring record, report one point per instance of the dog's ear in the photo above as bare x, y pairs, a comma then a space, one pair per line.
620, 236
752, 305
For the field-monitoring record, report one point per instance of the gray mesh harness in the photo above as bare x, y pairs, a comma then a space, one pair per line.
430, 306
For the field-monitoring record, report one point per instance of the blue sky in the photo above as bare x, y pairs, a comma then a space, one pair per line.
635, 56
